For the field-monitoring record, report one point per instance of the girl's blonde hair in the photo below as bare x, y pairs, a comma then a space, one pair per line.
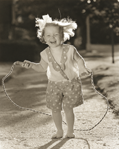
66, 25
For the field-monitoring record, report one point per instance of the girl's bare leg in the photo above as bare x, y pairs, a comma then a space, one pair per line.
57, 117
69, 114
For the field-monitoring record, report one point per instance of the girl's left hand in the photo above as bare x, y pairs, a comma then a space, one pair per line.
87, 72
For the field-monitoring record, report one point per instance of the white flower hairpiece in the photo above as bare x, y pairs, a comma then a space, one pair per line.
68, 26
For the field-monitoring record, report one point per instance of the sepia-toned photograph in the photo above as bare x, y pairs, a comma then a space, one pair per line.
59, 74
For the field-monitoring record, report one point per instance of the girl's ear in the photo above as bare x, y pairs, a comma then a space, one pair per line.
62, 34
44, 39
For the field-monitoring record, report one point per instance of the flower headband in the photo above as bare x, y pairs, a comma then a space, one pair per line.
68, 26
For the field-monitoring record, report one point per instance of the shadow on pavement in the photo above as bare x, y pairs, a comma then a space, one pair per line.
57, 146
58, 143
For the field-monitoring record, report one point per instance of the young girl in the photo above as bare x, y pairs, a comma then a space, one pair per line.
64, 65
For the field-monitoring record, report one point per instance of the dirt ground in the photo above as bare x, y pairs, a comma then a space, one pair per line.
23, 129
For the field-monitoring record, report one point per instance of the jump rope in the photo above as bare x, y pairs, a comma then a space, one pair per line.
32, 110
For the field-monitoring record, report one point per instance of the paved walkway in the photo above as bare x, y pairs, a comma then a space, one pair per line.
27, 130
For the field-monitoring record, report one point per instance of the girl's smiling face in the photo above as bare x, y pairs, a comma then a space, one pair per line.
53, 35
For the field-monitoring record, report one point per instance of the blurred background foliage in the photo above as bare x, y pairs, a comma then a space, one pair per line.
17, 22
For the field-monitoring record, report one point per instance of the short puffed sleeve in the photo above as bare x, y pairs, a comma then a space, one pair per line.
43, 60
76, 55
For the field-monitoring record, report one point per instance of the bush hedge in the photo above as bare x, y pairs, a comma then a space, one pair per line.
18, 51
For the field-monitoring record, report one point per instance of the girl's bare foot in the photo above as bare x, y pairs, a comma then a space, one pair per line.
70, 135
58, 135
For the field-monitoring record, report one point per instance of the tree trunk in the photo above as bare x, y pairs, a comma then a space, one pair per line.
112, 46
88, 43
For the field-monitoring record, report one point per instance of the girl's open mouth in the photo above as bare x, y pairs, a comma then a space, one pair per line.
53, 42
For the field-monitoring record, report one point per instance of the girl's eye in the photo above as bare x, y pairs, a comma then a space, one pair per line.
48, 35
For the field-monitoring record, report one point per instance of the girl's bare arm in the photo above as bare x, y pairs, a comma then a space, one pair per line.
81, 63
35, 66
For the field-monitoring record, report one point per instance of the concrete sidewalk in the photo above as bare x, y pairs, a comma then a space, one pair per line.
27, 130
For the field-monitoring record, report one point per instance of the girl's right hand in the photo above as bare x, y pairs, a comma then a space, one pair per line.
26, 64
